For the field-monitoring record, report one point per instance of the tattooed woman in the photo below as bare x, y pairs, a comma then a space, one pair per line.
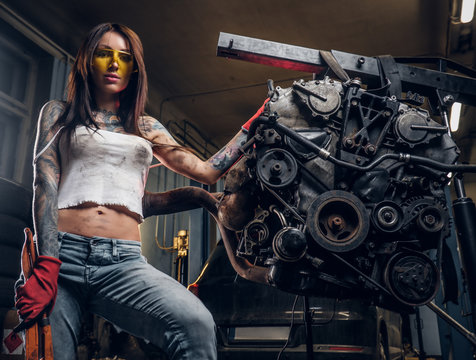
92, 156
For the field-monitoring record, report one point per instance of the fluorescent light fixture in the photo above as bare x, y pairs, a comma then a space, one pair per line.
455, 115
467, 11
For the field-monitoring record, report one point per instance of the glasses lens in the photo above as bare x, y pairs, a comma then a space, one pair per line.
123, 56
104, 53
104, 59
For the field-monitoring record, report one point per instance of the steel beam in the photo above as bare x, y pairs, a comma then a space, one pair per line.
416, 79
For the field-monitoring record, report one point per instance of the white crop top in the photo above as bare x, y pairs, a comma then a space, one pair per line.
104, 167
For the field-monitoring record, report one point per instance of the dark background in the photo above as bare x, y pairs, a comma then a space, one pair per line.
187, 80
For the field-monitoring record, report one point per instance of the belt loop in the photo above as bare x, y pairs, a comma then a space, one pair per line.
60, 238
114, 249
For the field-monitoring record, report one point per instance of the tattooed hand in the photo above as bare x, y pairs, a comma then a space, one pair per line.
46, 178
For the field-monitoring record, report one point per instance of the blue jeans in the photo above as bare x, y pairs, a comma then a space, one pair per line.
110, 278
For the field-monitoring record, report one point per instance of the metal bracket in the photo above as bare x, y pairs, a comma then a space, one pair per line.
416, 79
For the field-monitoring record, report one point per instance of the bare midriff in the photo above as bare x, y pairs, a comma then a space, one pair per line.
90, 219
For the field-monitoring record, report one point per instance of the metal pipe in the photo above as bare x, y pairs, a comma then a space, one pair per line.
324, 154
191, 197
459, 187
456, 325
422, 354
465, 221
308, 327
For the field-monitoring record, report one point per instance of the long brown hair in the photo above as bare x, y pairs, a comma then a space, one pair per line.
81, 103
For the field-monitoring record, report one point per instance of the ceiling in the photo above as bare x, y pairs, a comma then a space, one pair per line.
188, 82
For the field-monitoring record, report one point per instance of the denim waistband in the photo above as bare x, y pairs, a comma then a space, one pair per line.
96, 239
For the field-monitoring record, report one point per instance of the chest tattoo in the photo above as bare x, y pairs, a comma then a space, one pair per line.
107, 120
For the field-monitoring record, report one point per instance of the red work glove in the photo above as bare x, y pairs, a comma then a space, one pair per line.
39, 292
246, 125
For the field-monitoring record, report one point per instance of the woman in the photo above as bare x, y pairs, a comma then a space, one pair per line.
92, 155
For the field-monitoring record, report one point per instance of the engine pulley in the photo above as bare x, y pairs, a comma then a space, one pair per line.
289, 244
387, 216
429, 215
277, 168
413, 278
431, 219
338, 221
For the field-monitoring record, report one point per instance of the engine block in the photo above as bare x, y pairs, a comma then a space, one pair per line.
322, 227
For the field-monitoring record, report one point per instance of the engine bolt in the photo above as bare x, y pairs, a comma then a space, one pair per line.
430, 220
448, 99
275, 169
388, 216
370, 149
348, 142
336, 223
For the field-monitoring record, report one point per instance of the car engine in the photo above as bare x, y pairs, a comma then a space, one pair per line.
371, 222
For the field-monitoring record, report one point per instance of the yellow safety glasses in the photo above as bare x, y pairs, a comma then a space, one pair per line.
104, 57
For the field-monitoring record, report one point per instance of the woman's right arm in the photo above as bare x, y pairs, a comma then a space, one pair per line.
38, 294
46, 174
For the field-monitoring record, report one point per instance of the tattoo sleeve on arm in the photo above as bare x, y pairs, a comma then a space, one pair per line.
148, 126
185, 162
45, 183
228, 155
